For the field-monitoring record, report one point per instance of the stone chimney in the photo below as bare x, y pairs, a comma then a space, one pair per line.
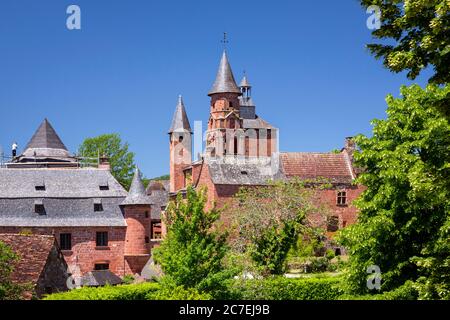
350, 147
103, 163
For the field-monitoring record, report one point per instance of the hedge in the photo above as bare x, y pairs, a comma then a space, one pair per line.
123, 292
404, 292
281, 288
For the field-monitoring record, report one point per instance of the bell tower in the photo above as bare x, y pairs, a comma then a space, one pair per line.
180, 134
225, 121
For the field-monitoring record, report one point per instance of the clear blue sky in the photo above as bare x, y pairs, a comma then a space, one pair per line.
312, 75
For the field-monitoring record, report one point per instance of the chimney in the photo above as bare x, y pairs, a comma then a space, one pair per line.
103, 163
350, 147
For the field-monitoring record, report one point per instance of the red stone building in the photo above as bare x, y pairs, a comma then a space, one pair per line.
98, 224
242, 150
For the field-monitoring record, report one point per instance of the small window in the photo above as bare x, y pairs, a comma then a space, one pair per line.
101, 266
102, 239
163, 208
65, 241
244, 173
333, 224
146, 214
342, 198
39, 207
98, 206
180, 139
156, 230
147, 239
104, 188
39, 188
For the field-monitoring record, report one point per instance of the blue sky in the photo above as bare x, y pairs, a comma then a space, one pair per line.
123, 71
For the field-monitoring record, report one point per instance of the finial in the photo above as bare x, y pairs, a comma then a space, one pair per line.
225, 40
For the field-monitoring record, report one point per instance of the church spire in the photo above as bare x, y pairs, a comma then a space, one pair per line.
225, 82
180, 121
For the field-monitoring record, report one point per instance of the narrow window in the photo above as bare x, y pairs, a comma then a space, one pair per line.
146, 214
102, 239
147, 240
342, 198
65, 241
156, 230
98, 206
101, 266
39, 207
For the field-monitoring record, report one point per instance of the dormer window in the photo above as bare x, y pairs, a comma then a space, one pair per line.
98, 206
39, 207
103, 185
342, 198
39, 184
39, 188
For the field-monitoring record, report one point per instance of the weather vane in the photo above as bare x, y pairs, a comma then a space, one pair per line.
225, 40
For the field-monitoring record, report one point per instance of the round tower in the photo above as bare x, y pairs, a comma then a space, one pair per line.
137, 213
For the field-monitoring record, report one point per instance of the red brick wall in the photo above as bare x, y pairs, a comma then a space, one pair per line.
84, 253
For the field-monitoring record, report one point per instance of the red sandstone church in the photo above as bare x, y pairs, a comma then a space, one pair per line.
242, 150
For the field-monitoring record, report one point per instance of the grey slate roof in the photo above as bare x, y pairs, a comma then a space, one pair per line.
225, 82
244, 83
100, 278
68, 198
137, 194
158, 191
257, 123
245, 173
180, 121
46, 143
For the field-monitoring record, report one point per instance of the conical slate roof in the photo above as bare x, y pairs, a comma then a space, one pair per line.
46, 143
180, 121
225, 82
137, 194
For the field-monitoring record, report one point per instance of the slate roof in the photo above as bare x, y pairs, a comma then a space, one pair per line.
46, 143
257, 123
68, 198
33, 251
336, 167
244, 173
100, 278
158, 191
225, 82
244, 83
180, 121
137, 194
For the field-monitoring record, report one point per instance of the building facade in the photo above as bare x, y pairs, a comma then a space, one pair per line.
97, 223
241, 149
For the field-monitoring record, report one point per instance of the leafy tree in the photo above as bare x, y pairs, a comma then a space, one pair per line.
404, 221
192, 252
269, 219
8, 289
121, 159
420, 31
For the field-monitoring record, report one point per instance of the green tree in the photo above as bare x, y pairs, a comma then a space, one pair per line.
418, 34
111, 145
269, 220
8, 289
192, 253
404, 221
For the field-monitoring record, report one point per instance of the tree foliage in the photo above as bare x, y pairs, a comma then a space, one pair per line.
192, 252
120, 158
404, 220
8, 289
268, 220
419, 35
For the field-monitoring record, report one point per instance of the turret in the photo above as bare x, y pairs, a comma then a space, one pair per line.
180, 134
137, 213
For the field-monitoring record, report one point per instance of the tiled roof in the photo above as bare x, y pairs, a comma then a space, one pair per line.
33, 251
333, 166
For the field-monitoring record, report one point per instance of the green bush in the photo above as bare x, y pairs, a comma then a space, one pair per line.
405, 292
281, 288
124, 292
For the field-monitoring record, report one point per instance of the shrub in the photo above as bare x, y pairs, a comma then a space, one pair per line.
405, 292
280, 288
124, 292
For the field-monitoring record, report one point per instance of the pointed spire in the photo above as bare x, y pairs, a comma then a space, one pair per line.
225, 82
46, 137
180, 121
137, 194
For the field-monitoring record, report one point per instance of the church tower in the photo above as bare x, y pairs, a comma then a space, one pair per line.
225, 123
180, 134
136, 210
